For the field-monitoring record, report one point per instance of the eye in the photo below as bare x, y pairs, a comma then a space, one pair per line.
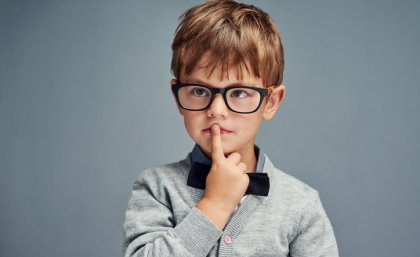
199, 91
238, 93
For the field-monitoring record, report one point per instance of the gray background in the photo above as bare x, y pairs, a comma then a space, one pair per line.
85, 105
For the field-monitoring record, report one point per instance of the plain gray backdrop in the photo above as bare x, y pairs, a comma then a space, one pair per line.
85, 105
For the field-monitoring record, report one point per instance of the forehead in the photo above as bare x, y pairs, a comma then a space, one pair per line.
209, 72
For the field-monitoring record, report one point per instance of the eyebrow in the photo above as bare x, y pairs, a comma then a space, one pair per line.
239, 83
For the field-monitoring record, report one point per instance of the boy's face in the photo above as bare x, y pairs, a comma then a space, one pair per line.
238, 131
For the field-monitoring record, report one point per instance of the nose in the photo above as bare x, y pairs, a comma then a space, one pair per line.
218, 108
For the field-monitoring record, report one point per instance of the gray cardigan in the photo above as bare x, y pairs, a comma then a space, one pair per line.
161, 219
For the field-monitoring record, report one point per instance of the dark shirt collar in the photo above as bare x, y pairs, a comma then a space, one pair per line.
198, 156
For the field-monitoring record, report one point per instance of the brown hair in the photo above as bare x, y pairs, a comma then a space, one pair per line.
232, 35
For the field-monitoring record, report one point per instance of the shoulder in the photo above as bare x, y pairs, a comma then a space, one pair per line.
290, 191
156, 178
284, 181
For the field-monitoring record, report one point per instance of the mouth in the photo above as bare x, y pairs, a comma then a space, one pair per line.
223, 131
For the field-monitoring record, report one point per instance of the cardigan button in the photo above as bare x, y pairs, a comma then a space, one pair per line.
227, 239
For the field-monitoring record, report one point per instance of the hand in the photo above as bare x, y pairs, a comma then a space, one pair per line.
226, 183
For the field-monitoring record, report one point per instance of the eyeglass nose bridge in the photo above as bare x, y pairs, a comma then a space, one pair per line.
222, 91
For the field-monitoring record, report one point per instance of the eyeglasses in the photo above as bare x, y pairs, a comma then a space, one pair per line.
239, 99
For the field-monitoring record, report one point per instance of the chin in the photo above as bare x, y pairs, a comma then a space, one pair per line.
206, 148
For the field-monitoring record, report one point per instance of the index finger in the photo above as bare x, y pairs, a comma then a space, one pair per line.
216, 143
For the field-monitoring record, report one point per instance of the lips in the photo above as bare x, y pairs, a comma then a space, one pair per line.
222, 130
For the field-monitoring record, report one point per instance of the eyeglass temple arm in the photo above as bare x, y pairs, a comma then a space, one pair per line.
270, 89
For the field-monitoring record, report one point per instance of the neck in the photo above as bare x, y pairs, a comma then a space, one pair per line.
250, 160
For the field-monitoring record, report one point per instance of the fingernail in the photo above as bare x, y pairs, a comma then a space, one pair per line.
215, 128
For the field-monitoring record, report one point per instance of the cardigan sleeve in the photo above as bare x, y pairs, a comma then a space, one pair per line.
315, 237
150, 230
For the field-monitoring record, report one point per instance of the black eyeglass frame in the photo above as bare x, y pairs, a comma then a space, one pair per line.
214, 90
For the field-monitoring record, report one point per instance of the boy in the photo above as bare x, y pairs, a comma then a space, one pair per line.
226, 198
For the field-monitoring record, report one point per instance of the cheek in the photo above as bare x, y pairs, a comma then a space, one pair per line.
191, 123
251, 121
251, 128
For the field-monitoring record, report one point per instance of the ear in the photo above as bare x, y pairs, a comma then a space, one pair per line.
273, 102
180, 110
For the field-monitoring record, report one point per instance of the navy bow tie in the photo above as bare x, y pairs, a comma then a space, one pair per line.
259, 183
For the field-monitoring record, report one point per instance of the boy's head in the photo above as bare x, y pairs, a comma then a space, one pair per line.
220, 45
233, 36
